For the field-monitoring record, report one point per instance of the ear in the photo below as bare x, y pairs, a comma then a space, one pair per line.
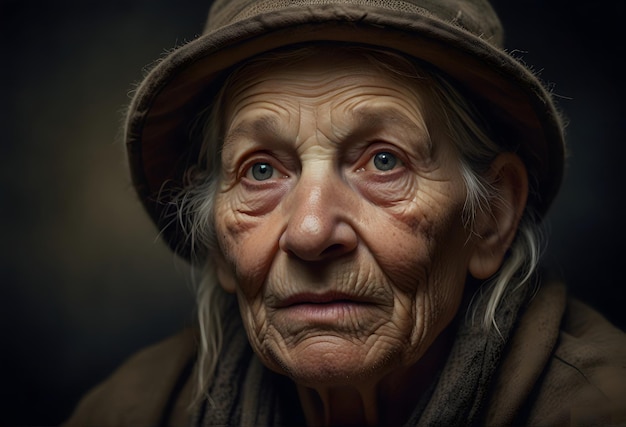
224, 273
496, 226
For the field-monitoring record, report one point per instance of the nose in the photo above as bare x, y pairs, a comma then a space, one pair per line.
319, 225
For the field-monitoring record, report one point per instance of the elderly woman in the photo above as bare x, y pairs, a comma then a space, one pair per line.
360, 184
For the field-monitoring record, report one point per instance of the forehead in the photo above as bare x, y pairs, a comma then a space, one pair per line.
369, 86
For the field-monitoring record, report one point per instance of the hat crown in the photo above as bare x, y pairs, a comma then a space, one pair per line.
476, 16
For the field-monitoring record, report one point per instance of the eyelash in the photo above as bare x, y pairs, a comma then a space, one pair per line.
379, 148
250, 162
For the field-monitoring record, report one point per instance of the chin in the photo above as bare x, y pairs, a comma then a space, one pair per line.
333, 362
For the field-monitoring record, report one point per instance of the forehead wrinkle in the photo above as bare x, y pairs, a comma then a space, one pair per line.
363, 119
244, 92
317, 87
376, 117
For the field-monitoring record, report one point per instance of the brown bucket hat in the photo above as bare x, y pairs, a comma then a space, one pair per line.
462, 38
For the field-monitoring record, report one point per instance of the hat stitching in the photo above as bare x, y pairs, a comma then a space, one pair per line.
274, 5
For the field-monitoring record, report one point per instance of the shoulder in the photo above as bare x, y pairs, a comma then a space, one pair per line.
139, 391
565, 365
586, 373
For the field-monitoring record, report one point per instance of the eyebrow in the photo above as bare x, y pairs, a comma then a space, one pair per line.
264, 125
373, 118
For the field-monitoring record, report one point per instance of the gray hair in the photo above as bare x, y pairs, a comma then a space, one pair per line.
466, 129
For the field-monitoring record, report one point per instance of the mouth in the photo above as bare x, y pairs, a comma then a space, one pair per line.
327, 308
328, 298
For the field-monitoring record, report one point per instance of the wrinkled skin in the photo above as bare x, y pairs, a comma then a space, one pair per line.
338, 215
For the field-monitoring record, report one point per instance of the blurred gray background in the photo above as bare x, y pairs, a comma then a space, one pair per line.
84, 279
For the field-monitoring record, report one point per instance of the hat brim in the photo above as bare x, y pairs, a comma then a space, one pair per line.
183, 83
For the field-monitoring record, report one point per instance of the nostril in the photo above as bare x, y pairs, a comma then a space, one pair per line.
334, 249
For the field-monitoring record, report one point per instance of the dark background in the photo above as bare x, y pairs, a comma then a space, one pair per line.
85, 280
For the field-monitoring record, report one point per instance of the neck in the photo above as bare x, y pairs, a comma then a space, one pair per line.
390, 401
339, 406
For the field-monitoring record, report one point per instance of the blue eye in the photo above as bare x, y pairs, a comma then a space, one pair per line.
262, 171
385, 161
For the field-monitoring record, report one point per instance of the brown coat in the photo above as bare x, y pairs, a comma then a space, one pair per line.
565, 365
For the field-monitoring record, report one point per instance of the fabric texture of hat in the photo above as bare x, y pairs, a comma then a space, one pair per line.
462, 38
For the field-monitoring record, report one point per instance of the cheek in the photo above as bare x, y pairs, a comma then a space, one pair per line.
423, 250
449, 258
248, 244
401, 241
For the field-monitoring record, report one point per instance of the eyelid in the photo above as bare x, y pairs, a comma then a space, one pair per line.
260, 157
381, 147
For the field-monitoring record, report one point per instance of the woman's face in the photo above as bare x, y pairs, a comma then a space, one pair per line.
339, 220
